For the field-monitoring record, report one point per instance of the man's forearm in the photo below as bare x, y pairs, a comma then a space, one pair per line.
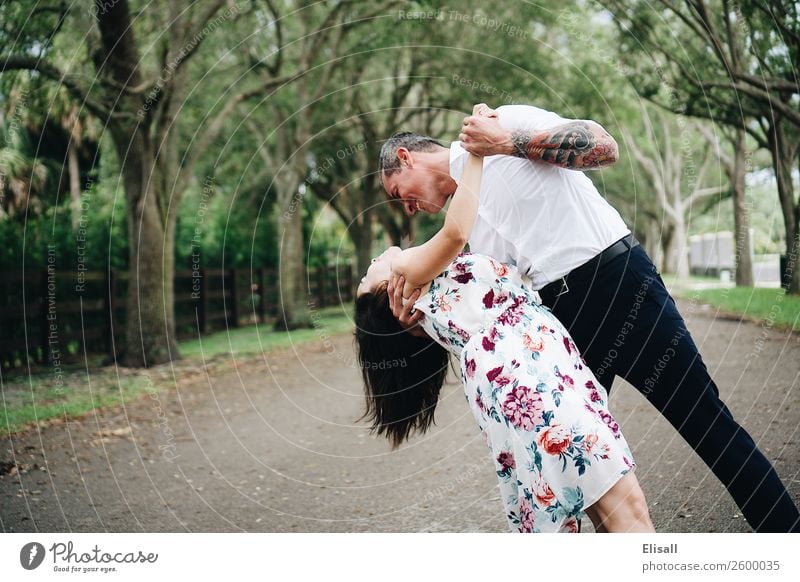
577, 145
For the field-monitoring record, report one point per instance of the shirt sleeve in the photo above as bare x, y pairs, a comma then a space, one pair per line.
528, 117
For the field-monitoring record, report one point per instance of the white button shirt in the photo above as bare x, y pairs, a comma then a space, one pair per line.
544, 219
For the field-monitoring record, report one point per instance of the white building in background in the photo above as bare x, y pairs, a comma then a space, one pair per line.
714, 255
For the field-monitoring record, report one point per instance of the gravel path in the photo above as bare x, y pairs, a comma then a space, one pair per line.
271, 445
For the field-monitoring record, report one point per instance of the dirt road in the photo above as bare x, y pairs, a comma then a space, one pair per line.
272, 444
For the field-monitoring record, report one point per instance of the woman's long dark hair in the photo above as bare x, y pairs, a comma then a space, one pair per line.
402, 374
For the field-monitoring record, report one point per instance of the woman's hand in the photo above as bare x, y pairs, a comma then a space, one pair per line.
402, 312
482, 135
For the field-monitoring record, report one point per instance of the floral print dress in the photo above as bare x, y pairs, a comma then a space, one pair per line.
555, 446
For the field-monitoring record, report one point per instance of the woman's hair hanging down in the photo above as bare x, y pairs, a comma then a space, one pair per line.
402, 374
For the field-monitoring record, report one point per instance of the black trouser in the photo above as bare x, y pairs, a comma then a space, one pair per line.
626, 324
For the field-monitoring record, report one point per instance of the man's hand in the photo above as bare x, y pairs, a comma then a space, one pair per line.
482, 135
403, 312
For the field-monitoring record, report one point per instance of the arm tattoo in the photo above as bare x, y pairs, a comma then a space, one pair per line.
573, 145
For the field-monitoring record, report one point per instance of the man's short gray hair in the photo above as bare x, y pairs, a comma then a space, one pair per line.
413, 142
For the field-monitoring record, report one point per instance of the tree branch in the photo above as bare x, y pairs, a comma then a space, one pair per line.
70, 82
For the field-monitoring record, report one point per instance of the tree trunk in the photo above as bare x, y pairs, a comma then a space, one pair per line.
667, 254
741, 215
150, 329
293, 295
74, 184
361, 233
784, 156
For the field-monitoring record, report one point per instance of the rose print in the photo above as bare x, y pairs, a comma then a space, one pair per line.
543, 494
488, 299
555, 439
506, 461
479, 402
493, 373
462, 273
524, 408
565, 378
609, 420
594, 395
504, 379
500, 269
470, 368
525, 516
463, 334
534, 344
589, 442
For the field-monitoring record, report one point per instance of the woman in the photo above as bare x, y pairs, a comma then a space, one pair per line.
557, 451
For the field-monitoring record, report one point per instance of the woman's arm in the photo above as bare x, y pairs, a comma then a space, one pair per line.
419, 265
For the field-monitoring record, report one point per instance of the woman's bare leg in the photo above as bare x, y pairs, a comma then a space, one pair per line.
622, 509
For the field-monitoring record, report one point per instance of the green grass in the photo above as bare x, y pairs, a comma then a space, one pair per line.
42, 399
43, 395
255, 339
671, 280
773, 306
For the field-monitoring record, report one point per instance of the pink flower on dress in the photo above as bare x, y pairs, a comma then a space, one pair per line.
479, 403
589, 442
501, 297
444, 305
462, 333
500, 269
488, 345
543, 494
594, 395
568, 345
572, 525
493, 373
506, 460
525, 516
504, 379
488, 299
462, 273
524, 408
512, 315
609, 420
555, 439
469, 367
533, 344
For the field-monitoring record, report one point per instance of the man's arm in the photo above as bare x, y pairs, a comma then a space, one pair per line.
575, 144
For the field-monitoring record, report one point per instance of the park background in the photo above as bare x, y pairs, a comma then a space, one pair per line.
189, 190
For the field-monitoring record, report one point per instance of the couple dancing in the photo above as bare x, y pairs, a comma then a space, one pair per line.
536, 374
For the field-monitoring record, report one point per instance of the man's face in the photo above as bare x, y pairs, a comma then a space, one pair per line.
416, 185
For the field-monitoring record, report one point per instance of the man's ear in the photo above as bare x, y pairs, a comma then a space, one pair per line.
404, 156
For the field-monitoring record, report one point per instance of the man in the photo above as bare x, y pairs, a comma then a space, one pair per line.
540, 212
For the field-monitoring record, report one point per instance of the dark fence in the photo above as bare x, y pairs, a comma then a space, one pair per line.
51, 313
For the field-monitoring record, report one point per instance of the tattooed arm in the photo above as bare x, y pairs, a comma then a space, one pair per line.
576, 145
